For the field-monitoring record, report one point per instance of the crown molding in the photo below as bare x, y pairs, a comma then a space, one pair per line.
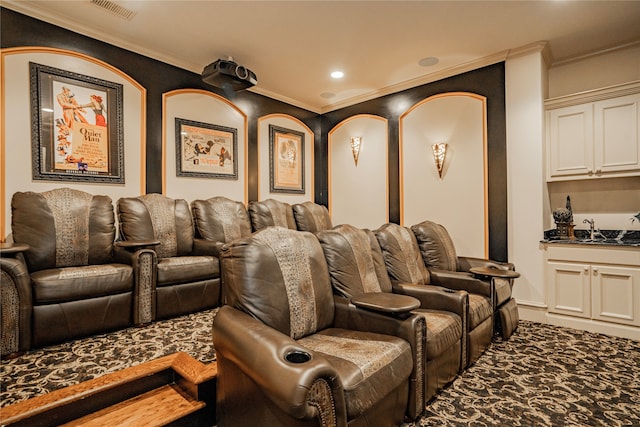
593, 95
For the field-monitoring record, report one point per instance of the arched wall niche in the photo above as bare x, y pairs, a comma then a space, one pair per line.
284, 121
459, 198
358, 194
196, 105
16, 138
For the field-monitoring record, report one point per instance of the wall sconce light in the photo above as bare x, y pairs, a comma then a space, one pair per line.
356, 143
439, 153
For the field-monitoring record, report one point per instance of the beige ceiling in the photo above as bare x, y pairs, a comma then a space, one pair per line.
292, 46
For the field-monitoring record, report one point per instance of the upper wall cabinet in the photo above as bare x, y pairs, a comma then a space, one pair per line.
594, 134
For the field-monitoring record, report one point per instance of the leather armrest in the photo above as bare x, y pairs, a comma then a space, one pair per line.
386, 303
127, 252
435, 297
259, 351
18, 278
466, 263
461, 281
207, 247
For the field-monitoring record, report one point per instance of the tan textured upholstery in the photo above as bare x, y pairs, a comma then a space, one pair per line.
357, 266
67, 284
186, 281
311, 217
439, 255
281, 309
270, 213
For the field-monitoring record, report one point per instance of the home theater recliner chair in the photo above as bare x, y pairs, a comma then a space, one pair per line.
440, 257
405, 265
356, 267
186, 280
68, 284
290, 353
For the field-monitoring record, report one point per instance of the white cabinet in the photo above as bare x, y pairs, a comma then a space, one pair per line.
594, 135
595, 286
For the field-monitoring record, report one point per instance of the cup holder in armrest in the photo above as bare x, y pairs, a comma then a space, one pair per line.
297, 356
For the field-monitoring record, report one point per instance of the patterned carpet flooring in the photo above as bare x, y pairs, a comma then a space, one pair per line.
542, 376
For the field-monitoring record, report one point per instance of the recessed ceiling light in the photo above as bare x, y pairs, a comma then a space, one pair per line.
429, 61
337, 74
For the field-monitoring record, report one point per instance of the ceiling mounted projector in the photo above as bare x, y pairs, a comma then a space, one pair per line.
227, 74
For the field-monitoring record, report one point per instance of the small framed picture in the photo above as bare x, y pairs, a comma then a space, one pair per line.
286, 160
77, 127
206, 150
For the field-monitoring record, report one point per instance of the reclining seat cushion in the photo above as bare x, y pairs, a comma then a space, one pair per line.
436, 246
370, 365
444, 330
479, 310
187, 269
311, 217
78, 283
220, 219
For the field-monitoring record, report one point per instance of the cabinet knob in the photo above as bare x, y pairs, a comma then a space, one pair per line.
598, 171
595, 271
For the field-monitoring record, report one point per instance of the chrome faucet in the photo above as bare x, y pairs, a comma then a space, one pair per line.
592, 227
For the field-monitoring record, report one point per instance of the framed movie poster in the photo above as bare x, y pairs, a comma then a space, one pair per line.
76, 127
286, 160
206, 150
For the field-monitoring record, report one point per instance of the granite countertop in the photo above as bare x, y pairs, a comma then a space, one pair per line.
602, 237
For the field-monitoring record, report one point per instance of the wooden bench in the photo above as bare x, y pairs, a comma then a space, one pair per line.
174, 389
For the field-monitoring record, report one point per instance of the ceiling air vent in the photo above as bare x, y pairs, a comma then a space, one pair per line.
115, 8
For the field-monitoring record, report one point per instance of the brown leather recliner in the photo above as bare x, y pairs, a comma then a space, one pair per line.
269, 213
186, 280
439, 255
67, 284
356, 266
290, 353
219, 220
311, 217
404, 265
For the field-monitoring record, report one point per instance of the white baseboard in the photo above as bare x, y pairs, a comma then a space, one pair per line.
535, 312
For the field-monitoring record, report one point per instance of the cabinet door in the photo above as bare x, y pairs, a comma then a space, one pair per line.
616, 142
616, 294
570, 141
569, 289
